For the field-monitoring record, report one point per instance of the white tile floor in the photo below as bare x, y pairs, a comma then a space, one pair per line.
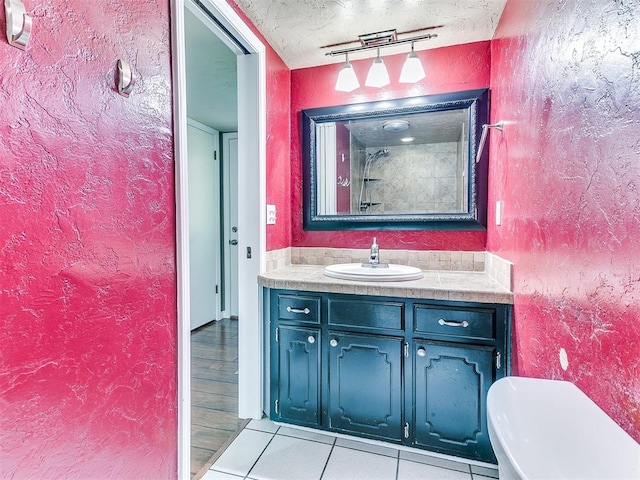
265, 451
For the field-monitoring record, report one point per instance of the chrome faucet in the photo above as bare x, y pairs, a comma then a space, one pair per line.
374, 256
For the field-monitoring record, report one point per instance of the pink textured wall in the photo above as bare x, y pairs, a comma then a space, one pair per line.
278, 145
87, 272
450, 69
278, 166
567, 167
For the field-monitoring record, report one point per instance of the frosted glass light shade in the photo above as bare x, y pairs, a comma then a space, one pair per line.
347, 80
412, 70
378, 75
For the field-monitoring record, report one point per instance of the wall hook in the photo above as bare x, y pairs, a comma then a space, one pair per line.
483, 137
18, 24
124, 79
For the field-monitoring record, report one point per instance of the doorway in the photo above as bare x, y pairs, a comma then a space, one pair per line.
221, 19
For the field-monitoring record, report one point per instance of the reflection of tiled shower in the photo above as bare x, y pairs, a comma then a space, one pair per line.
424, 178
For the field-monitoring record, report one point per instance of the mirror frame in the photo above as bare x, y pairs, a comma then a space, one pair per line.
474, 219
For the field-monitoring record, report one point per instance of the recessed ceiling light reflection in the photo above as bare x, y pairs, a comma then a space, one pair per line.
407, 139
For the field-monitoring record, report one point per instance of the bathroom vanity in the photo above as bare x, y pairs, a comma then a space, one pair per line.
412, 369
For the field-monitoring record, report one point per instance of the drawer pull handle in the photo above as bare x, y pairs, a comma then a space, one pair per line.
451, 323
422, 352
333, 342
304, 310
311, 339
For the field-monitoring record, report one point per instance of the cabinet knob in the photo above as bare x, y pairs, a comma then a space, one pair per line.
422, 352
333, 342
311, 339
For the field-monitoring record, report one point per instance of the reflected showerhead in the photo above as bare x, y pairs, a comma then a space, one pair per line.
380, 153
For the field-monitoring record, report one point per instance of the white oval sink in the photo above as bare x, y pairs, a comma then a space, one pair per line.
356, 271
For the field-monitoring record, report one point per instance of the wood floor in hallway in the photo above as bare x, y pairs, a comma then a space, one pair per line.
214, 389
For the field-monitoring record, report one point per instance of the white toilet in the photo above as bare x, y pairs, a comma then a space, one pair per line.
549, 429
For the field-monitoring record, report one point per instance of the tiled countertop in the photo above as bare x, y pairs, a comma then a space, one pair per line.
436, 285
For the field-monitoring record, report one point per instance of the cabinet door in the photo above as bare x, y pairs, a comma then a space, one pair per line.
365, 385
451, 382
298, 377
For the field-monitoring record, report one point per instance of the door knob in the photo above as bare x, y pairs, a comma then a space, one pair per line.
422, 352
333, 342
311, 339
233, 242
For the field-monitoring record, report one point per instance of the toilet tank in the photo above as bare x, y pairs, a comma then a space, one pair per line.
549, 429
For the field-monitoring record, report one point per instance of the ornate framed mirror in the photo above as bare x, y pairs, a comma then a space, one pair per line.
405, 164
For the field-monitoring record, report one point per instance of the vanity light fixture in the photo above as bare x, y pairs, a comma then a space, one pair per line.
378, 75
347, 79
412, 70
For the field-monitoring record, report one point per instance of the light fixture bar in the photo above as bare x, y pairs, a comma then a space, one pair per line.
427, 36
378, 38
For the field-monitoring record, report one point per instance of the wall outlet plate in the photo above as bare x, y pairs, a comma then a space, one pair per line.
271, 214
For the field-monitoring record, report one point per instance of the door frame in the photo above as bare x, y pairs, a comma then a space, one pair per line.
227, 194
251, 211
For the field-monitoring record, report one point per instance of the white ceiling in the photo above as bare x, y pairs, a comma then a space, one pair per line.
211, 77
297, 29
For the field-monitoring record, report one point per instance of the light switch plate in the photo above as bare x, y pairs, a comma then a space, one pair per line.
271, 214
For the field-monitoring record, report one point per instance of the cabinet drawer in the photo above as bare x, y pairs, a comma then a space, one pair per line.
468, 323
369, 314
301, 308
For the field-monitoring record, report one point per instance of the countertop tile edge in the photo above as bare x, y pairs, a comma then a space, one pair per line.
481, 288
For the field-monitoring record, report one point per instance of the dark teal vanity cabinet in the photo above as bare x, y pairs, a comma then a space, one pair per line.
408, 371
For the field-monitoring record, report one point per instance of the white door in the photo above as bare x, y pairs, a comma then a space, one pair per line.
204, 222
230, 241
